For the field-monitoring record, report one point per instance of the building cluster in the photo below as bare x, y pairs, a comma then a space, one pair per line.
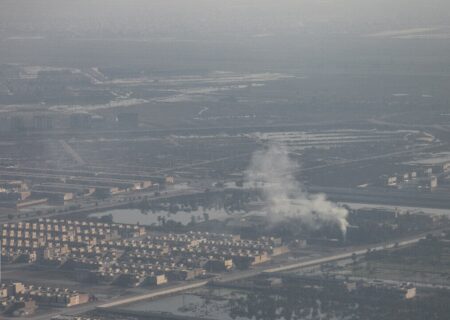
418, 178
372, 225
126, 255
31, 241
60, 185
370, 287
20, 187
158, 259
20, 299
363, 288
15, 194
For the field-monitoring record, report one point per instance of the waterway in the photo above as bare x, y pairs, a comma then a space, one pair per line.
135, 216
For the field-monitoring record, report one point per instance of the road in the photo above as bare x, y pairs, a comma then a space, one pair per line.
71, 152
385, 196
370, 158
202, 163
289, 266
95, 134
115, 202
155, 294
308, 262
345, 255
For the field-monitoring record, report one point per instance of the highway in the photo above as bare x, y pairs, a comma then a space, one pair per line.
385, 196
155, 294
345, 255
371, 158
115, 202
376, 196
264, 269
95, 134
233, 276
71, 152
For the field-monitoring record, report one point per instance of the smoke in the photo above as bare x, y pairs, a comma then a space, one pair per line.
272, 171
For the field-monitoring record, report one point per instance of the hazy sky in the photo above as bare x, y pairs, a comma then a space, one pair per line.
217, 17
234, 33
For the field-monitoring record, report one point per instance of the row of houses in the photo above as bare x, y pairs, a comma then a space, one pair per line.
125, 254
28, 241
20, 299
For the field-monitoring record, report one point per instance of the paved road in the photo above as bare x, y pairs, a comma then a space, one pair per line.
75, 155
112, 203
345, 255
370, 158
308, 262
155, 294
64, 134
289, 266
385, 196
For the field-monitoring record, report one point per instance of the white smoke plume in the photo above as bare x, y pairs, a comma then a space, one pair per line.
272, 171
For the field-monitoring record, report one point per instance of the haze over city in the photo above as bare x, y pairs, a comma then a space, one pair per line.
222, 160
